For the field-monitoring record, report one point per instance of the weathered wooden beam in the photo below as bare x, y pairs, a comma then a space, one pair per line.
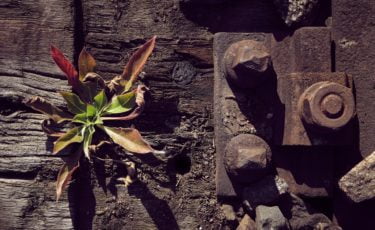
27, 204
27, 173
173, 195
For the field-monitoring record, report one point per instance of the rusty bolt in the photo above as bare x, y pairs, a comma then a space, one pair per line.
247, 158
247, 63
332, 106
327, 105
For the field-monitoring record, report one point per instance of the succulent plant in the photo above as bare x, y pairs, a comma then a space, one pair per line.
91, 103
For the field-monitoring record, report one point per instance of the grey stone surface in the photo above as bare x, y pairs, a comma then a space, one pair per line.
183, 73
246, 223
359, 182
296, 11
270, 218
265, 191
315, 221
300, 216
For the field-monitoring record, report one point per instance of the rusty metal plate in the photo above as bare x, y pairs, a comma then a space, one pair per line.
265, 108
235, 111
353, 35
291, 128
308, 171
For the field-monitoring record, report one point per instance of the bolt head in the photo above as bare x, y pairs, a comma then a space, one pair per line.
247, 158
247, 63
327, 105
332, 106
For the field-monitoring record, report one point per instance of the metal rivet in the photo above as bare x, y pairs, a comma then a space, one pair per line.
332, 106
247, 157
246, 63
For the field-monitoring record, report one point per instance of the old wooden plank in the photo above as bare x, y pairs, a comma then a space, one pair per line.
22, 135
28, 28
27, 174
176, 115
178, 112
177, 195
30, 205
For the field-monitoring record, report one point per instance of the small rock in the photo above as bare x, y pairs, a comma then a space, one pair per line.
299, 215
314, 221
183, 73
359, 182
265, 191
229, 212
270, 218
296, 11
247, 158
246, 224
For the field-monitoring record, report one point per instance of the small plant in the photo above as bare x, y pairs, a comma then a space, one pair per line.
91, 103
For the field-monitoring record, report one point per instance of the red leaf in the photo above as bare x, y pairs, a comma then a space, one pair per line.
64, 64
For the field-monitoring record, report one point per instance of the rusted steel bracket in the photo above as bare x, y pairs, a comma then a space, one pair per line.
318, 109
234, 111
279, 90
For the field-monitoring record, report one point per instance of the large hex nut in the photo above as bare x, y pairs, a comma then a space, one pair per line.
246, 63
327, 104
247, 158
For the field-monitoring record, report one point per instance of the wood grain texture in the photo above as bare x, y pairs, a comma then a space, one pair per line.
177, 115
178, 194
28, 205
28, 30
27, 172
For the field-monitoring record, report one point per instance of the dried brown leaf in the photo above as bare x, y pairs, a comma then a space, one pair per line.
66, 172
128, 138
86, 64
41, 105
133, 68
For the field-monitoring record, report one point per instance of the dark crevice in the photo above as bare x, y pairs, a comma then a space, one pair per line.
10, 105
18, 175
81, 197
79, 35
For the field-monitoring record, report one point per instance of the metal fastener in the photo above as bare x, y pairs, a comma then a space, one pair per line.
246, 63
327, 104
247, 157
